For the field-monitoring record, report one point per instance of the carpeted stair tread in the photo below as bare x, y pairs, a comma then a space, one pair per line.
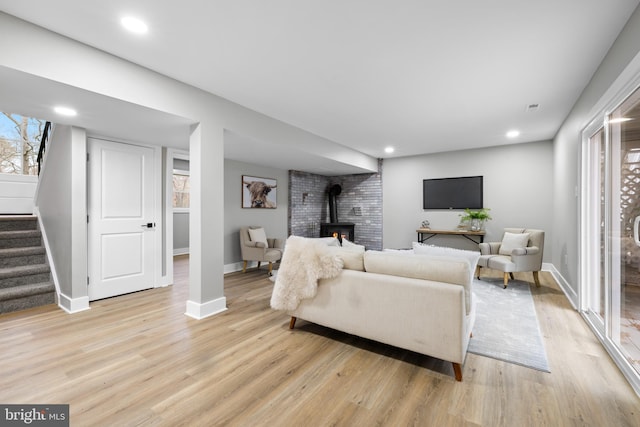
17, 256
15, 252
23, 270
26, 290
27, 296
18, 222
19, 234
20, 239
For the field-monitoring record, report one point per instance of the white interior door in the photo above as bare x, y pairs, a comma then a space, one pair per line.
121, 227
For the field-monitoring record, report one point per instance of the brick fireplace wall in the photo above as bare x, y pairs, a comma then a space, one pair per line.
360, 203
307, 203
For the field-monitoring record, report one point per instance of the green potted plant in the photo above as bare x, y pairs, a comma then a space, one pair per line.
475, 218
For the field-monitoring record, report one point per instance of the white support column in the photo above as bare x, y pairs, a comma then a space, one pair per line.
206, 223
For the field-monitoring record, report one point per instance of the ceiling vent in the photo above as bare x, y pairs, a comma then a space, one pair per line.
533, 107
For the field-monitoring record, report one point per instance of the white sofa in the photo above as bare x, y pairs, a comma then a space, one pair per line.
421, 303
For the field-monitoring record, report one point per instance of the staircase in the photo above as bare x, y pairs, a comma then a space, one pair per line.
25, 277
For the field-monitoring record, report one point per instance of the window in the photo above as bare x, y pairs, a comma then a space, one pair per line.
19, 143
181, 187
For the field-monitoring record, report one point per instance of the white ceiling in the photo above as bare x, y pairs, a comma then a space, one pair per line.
99, 113
424, 75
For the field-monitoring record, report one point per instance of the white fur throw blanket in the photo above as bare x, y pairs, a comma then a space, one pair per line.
304, 261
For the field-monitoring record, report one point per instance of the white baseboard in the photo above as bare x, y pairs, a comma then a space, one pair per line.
73, 305
201, 310
180, 251
571, 295
48, 252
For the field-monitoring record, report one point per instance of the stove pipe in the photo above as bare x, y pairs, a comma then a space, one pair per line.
334, 191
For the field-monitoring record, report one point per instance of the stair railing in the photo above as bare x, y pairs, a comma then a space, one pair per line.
43, 144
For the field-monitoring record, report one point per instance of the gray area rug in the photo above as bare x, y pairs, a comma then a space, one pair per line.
506, 325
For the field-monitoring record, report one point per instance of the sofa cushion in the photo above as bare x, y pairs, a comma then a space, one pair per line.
399, 251
347, 244
352, 257
429, 267
511, 241
329, 241
470, 256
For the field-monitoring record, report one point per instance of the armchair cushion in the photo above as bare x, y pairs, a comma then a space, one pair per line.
512, 241
258, 235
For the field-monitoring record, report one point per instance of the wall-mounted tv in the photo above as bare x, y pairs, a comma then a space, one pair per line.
452, 193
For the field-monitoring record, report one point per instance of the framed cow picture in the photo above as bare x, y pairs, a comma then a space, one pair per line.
259, 192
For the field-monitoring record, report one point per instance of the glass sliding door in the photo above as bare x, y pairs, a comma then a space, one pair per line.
610, 257
625, 286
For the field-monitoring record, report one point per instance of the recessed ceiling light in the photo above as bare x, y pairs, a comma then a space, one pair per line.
134, 25
65, 111
513, 133
389, 150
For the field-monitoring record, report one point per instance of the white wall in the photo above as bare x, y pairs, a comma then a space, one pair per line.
180, 232
566, 158
518, 188
273, 220
16, 193
62, 205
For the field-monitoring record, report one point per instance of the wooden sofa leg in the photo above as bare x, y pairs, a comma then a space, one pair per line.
292, 322
270, 268
478, 272
457, 370
506, 280
244, 267
536, 279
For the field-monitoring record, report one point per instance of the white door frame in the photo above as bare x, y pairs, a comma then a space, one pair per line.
171, 154
159, 279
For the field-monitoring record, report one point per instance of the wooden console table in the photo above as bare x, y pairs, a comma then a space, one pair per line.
425, 234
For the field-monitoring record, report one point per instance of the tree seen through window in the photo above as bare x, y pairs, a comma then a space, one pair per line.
180, 190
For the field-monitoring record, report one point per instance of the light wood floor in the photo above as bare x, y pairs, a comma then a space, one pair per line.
138, 360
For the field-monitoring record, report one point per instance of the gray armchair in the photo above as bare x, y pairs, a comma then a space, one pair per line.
515, 253
260, 250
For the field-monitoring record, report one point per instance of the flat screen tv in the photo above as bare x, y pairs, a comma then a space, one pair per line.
452, 193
